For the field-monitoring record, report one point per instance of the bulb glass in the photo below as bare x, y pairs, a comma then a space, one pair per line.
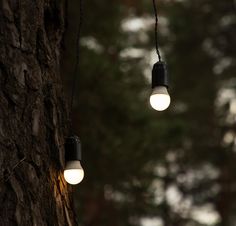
160, 99
73, 172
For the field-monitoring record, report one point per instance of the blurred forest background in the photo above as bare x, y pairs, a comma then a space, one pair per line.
143, 167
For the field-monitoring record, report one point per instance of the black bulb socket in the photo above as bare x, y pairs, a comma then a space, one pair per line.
73, 149
159, 75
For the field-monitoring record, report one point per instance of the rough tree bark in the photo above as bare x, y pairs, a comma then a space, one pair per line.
33, 115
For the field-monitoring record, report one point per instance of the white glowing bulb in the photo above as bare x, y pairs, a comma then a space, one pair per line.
160, 99
73, 172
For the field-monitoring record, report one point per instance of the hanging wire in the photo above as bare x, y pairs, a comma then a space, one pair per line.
76, 67
156, 24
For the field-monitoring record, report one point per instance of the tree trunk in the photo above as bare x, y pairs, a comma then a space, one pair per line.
32, 115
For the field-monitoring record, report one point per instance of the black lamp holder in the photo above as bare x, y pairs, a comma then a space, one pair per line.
159, 75
73, 149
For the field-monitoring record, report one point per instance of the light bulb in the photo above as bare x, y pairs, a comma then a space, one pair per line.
73, 172
160, 99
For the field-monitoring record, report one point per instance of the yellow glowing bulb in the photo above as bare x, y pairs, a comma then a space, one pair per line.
160, 99
73, 172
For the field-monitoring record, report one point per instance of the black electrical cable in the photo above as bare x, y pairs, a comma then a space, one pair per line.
77, 61
156, 24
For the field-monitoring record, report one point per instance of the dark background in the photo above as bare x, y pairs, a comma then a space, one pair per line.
143, 167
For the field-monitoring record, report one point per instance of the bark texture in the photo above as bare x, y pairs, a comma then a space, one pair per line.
32, 115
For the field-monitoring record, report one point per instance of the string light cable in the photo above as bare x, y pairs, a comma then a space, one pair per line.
77, 60
156, 26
